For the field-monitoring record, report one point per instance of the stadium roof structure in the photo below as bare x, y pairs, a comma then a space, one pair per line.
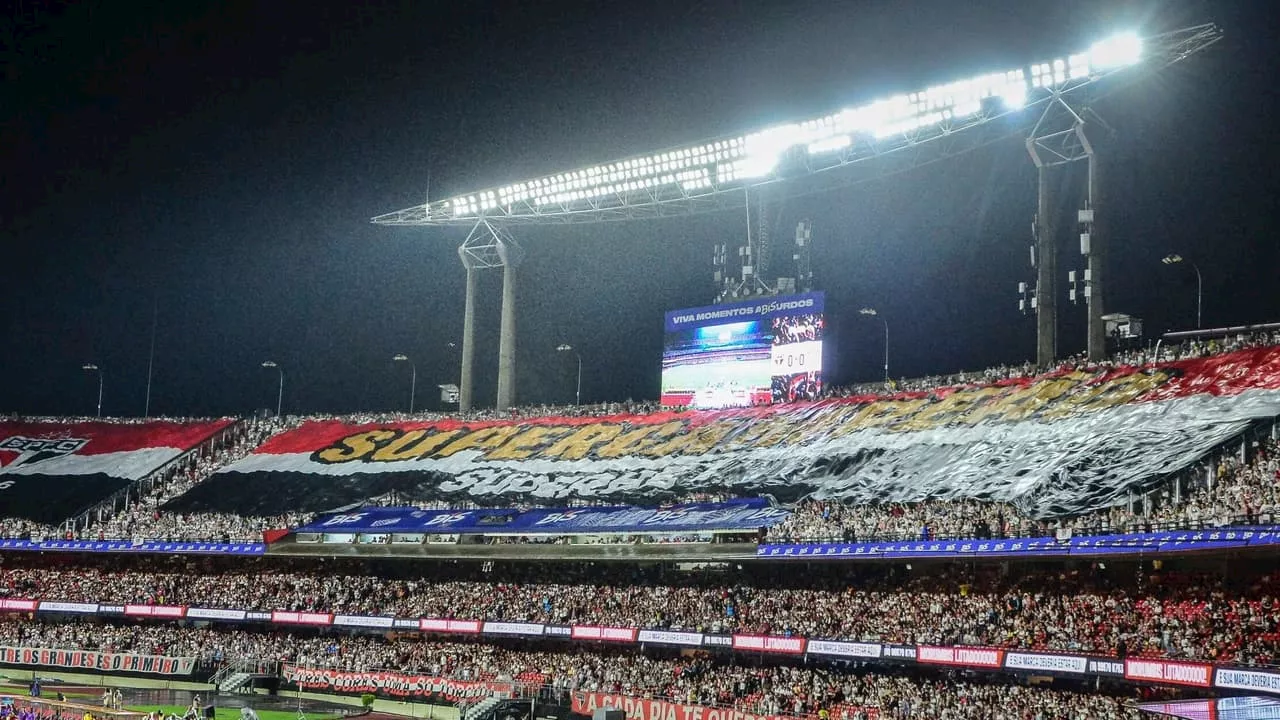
713, 175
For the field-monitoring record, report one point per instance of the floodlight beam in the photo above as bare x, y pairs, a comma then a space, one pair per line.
647, 186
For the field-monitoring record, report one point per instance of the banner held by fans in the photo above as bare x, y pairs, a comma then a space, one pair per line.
49, 470
1060, 444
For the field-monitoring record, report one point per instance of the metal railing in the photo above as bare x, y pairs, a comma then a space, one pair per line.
247, 666
98, 512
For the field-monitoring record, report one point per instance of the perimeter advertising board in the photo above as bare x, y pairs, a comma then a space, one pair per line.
753, 352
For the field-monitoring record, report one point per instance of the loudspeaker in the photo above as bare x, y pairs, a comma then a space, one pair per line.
606, 713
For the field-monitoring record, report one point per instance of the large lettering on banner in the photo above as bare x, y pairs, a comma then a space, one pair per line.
961, 656
94, 660
586, 703
1046, 662
769, 644
1169, 672
1267, 681
393, 684
608, 634
838, 648
1063, 443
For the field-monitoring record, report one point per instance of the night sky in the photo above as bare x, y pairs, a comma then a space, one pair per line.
220, 162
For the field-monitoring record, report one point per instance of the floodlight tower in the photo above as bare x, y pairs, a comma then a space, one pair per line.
490, 246
893, 134
1068, 131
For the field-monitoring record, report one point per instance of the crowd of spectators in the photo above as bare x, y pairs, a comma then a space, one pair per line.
1131, 357
693, 679
604, 409
1240, 493
1178, 614
145, 517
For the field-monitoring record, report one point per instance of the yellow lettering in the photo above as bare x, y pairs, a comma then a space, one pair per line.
412, 445
937, 414
881, 413
750, 436
1030, 400
990, 405
635, 441
482, 439
526, 443
694, 442
1116, 391
354, 447
577, 445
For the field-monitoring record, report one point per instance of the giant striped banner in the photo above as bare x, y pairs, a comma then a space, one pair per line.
49, 471
1062, 443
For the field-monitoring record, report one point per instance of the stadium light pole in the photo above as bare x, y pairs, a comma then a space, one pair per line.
873, 313
280, 391
577, 397
413, 377
1174, 259
90, 367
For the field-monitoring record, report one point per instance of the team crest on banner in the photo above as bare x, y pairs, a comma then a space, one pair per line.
17, 450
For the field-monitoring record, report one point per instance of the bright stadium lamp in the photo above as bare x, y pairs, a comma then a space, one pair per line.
1116, 51
90, 367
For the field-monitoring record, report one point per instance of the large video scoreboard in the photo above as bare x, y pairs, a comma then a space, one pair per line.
753, 352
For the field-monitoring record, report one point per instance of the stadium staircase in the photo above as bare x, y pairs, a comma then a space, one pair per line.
486, 709
238, 676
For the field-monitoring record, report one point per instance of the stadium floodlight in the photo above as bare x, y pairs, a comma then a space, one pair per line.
90, 367
613, 190
271, 364
873, 313
1116, 51
1175, 259
413, 377
563, 347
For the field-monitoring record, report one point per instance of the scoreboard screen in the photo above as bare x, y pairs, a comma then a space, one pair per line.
754, 352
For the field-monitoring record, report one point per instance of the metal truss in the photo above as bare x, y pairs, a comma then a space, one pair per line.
488, 245
862, 160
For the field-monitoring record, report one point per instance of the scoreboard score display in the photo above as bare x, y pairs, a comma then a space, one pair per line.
753, 352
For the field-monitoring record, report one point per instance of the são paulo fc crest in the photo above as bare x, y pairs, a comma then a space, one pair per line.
17, 450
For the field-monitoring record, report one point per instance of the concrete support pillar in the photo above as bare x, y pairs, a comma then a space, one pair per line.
511, 256
1097, 345
1046, 273
468, 342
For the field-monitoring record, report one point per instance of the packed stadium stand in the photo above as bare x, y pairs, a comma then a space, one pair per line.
1116, 609
180, 547
866, 465
589, 677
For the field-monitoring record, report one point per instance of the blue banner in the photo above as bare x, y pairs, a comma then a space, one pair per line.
757, 309
1135, 543
696, 517
145, 546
